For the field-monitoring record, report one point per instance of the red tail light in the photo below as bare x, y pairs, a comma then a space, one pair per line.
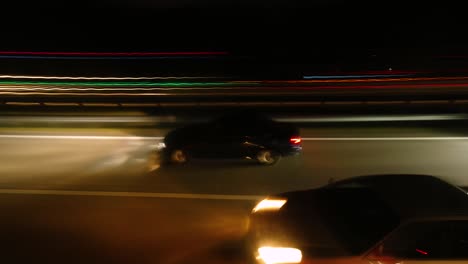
295, 140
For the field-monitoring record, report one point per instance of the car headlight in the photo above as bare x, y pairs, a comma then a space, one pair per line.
160, 145
277, 255
269, 204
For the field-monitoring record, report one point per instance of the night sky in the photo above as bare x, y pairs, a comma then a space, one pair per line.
295, 34
292, 26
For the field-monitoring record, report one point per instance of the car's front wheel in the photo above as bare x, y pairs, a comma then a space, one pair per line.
178, 156
268, 157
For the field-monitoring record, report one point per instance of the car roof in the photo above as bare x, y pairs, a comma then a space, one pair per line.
409, 195
385, 178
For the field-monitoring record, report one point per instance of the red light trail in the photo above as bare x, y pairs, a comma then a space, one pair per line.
111, 54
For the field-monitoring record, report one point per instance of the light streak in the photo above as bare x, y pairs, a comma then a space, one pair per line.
58, 53
238, 197
250, 82
104, 78
364, 80
87, 94
226, 84
78, 89
353, 76
55, 137
159, 84
101, 58
106, 88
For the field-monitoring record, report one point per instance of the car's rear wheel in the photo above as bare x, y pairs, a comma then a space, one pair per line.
179, 156
268, 157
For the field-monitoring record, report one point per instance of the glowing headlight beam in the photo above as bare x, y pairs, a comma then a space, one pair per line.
278, 255
269, 205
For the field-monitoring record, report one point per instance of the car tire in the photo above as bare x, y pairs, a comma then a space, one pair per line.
268, 157
178, 156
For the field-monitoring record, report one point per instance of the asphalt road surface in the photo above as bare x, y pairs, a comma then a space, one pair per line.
85, 195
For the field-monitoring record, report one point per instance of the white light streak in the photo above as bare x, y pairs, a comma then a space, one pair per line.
105, 78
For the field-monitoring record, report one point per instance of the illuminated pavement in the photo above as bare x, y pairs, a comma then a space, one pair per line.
84, 196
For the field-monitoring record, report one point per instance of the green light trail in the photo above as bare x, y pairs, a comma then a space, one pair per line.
125, 84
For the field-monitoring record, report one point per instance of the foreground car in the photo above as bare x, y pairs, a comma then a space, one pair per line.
374, 219
239, 135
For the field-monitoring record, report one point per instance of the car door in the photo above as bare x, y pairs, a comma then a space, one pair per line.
425, 242
197, 141
236, 138
223, 141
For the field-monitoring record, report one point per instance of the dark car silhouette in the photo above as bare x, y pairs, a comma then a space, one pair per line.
239, 135
369, 219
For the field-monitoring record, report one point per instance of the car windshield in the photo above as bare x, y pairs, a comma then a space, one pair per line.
147, 131
243, 118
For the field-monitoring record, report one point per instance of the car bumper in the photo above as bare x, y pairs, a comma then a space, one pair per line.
291, 151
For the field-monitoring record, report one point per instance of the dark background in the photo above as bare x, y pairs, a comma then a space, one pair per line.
277, 28
282, 39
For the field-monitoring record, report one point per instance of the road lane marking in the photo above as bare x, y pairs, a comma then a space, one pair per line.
383, 138
161, 138
134, 194
81, 137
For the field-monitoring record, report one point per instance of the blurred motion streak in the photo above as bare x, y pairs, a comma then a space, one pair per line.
81, 137
353, 76
318, 80
216, 88
341, 80
39, 88
199, 196
162, 84
105, 78
122, 55
90, 94
170, 119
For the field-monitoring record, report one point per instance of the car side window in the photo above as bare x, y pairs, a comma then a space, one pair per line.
238, 125
429, 240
